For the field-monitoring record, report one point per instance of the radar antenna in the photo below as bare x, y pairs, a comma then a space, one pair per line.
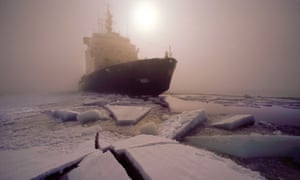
108, 22
170, 51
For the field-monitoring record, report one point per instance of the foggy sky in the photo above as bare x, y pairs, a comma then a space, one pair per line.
222, 46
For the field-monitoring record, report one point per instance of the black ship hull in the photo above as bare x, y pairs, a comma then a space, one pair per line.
148, 77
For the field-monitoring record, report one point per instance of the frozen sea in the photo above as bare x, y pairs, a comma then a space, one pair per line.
28, 134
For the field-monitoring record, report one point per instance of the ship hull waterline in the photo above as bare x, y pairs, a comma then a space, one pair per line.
147, 77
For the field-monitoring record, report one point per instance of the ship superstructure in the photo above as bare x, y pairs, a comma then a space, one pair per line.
108, 48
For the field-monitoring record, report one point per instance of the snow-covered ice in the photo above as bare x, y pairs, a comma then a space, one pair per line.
126, 115
161, 158
33, 143
176, 126
235, 122
249, 146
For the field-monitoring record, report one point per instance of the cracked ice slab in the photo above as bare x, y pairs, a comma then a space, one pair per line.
38, 161
139, 141
235, 122
249, 146
162, 158
126, 115
176, 126
98, 165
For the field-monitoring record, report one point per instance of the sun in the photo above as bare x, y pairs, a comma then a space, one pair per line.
145, 15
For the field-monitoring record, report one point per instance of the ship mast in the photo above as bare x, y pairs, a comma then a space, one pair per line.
108, 21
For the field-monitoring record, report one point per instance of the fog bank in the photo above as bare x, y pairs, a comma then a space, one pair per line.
222, 46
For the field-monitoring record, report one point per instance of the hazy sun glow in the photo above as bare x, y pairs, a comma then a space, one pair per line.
145, 15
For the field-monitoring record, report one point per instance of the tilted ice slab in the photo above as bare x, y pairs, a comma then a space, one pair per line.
98, 165
179, 105
249, 146
126, 115
160, 158
179, 125
235, 122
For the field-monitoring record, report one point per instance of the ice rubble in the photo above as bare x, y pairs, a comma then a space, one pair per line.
180, 124
149, 128
235, 122
249, 146
65, 115
160, 158
92, 115
124, 114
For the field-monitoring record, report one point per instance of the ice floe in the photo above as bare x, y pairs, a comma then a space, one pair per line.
235, 122
249, 146
127, 115
180, 124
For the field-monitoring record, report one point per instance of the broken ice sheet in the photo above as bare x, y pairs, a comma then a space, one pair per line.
249, 146
234, 122
160, 158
